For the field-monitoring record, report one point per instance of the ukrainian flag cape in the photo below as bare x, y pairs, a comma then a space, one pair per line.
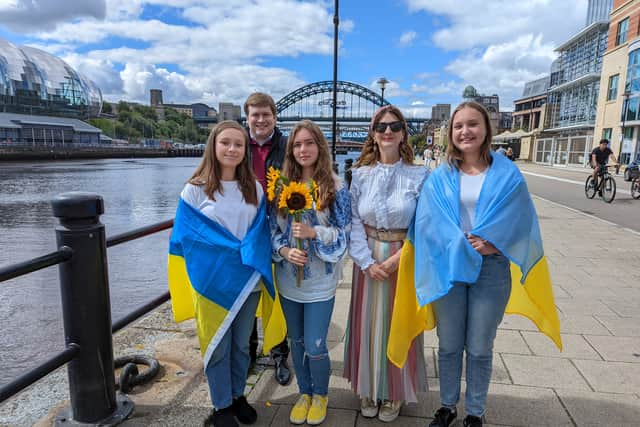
211, 274
436, 253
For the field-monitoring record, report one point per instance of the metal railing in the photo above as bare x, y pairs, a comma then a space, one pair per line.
84, 285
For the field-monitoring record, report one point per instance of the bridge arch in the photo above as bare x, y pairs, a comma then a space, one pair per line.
355, 106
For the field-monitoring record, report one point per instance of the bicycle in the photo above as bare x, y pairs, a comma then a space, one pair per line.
604, 184
635, 188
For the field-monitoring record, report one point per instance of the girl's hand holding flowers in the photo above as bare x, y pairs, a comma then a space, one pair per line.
294, 256
300, 230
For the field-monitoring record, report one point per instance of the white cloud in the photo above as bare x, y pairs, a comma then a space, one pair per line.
407, 38
502, 44
31, 15
219, 53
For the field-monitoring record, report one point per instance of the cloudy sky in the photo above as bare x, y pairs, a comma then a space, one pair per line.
221, 50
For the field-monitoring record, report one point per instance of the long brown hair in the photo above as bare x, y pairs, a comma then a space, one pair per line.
454, 155
370, 153
322, 171
208, 172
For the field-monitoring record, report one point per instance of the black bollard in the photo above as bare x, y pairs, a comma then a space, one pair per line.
86, 312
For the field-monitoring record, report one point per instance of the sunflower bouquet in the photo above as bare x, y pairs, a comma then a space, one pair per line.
292, 198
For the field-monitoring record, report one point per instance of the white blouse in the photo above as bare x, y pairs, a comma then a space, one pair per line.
382, 196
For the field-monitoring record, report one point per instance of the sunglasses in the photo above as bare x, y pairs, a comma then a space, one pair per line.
382, 127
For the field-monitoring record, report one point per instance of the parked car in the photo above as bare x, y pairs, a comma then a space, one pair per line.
633, 169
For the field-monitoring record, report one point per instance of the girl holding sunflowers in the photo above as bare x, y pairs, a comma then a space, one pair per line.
310, 236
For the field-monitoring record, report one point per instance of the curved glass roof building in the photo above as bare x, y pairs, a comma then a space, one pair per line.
35, 82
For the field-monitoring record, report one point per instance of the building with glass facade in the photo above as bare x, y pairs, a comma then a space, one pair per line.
35, 82
572, 97
618, 117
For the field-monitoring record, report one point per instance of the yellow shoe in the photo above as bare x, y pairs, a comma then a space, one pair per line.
318, 411
300, 409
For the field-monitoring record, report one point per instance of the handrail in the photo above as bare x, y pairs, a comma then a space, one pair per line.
44, 369
87, 237
139, 232
35, 264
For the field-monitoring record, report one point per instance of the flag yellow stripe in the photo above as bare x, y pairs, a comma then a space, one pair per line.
534, 300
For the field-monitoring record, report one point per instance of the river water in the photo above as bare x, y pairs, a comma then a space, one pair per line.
136, 192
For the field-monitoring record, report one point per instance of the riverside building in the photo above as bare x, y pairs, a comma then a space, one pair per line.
35, 82
572, 96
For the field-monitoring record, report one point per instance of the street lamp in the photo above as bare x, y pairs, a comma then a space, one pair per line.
336, 22
382, 82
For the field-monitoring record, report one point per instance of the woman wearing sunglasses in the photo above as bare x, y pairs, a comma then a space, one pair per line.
384, 189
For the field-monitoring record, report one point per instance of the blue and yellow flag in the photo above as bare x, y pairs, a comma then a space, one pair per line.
211, 274
437, 254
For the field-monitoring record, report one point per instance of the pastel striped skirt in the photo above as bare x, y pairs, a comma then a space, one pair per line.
366, 365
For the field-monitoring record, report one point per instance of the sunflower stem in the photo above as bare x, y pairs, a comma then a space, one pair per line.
300, 272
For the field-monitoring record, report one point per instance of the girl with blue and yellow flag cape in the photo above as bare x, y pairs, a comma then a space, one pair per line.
211, 273
462, 288
506, 217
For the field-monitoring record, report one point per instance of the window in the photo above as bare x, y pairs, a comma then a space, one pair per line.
613, 87
606, 134
623, 28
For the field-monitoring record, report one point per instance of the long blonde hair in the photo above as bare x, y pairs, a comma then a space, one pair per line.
209, 172
454, 155
370, 153
322, 171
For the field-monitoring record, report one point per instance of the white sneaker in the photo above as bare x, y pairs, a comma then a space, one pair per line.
368, 408
389, 410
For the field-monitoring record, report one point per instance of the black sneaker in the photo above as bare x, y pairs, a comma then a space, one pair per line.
471, 421
443, 417
221, 418
243, 411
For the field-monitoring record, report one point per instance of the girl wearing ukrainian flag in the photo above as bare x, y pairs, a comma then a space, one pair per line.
307, 274
219, 260
475, 231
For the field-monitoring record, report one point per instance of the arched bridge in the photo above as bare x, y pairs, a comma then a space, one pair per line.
354, 108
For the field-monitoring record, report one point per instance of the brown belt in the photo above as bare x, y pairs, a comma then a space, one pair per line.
386, 235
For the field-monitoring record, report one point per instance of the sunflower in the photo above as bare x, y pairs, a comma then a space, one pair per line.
273, 175
296, 197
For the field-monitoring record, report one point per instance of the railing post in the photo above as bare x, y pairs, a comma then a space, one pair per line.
86, 312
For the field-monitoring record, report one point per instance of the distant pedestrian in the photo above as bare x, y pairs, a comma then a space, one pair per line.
268, 146
428, 156
324, 231
222, 211
509, 154
384, 190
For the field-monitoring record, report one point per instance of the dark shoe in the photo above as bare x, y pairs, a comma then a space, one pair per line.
471, 421
443, 417
221, 418
283, 373
243, 411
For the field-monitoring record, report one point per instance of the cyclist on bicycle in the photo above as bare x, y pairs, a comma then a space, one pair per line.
600, 157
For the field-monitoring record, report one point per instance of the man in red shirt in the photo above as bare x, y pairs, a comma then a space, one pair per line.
268, 147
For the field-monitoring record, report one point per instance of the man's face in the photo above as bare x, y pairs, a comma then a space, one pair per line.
261, 122
603, 147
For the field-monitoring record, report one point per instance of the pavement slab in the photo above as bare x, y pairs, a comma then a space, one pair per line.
541, 371
611, 377
601, 409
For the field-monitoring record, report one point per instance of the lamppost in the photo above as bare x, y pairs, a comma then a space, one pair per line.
382, 82
336, 22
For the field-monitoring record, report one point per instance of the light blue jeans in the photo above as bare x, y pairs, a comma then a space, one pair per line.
307, 327
467, 319
229, 363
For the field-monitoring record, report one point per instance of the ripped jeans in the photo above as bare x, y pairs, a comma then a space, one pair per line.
307, 326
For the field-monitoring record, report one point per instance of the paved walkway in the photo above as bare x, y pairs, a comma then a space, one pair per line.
595, 381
